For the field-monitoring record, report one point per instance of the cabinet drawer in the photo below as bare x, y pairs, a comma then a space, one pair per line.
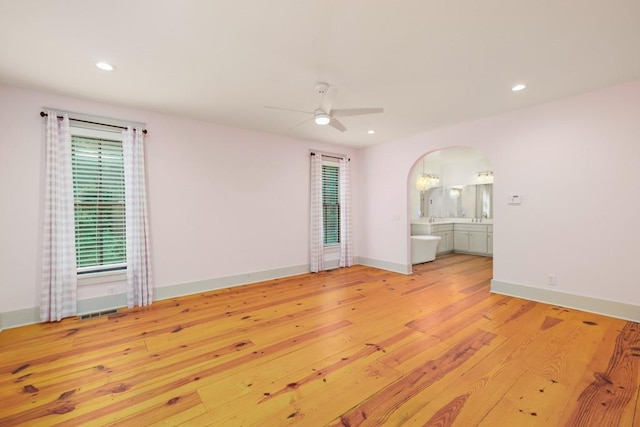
481, 228
438, 228
420, 229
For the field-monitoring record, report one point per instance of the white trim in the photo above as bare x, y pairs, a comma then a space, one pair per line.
109, 135
102, 277
330, 161
101, 120
183, 289
331, 255
26, 316
615, 309
331, 264
29, 316
326, 154
384, 265
84, 274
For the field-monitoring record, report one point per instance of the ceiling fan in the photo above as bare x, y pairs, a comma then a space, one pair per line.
329, 116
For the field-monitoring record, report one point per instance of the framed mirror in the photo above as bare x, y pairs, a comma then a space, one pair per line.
458, 201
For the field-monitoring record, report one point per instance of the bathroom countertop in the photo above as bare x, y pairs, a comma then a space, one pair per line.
452, 221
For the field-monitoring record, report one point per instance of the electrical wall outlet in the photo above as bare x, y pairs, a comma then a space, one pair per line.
552, 280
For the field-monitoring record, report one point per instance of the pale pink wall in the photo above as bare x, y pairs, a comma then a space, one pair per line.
222, 201
567, 159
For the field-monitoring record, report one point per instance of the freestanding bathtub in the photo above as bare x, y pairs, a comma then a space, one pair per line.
423, 248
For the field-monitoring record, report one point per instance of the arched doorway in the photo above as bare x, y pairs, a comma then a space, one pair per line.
451, 196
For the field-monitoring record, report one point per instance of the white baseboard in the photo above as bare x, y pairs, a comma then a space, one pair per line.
615, 309
385, 265
13, 319
183, 289
29, 316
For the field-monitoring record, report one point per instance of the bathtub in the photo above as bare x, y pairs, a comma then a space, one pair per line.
423, 248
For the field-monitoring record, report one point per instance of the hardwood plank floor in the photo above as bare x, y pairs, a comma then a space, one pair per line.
348, 347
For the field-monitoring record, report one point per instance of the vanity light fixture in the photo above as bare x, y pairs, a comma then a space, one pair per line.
485, 177
426, 180
422, 184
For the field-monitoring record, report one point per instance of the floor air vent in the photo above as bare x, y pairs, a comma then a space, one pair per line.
98, 314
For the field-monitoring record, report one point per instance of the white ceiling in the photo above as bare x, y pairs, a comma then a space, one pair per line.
429, 63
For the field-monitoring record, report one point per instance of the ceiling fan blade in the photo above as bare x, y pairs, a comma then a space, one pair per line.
288, 109
337, 124
346, 112
301, 123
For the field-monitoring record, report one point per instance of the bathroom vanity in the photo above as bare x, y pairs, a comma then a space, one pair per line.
462, 216
461, 237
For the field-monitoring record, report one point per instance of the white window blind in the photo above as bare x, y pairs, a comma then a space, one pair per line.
98, 188
331, 204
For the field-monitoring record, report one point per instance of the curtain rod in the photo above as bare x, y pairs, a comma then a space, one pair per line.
331, 157
43, 114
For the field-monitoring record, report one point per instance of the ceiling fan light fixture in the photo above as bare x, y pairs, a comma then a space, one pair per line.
322, 119
324, 115
105, 66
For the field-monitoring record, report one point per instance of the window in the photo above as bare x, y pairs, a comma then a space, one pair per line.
99, 201
331, 204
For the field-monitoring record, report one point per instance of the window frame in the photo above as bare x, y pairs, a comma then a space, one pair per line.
114, 272
333, 163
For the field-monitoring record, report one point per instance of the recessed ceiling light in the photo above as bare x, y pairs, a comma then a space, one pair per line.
105, 66
518, 87
371, 131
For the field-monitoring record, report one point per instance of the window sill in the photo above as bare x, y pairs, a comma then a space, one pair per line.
102, 277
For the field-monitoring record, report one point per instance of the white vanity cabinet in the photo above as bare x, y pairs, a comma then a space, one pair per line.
490, 239
478, 242
461, 241
472, 238
445, 231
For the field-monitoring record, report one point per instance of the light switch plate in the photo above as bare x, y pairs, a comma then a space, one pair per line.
514, 199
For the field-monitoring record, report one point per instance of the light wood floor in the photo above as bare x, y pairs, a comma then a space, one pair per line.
349, 347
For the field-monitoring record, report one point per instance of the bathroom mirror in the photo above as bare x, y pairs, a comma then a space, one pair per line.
458, 201
484, 201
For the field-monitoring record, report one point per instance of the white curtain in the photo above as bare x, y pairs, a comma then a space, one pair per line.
59, 278
346, 240
316, 242
139, 280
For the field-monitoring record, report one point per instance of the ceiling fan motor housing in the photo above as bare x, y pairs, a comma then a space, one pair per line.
322, 87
